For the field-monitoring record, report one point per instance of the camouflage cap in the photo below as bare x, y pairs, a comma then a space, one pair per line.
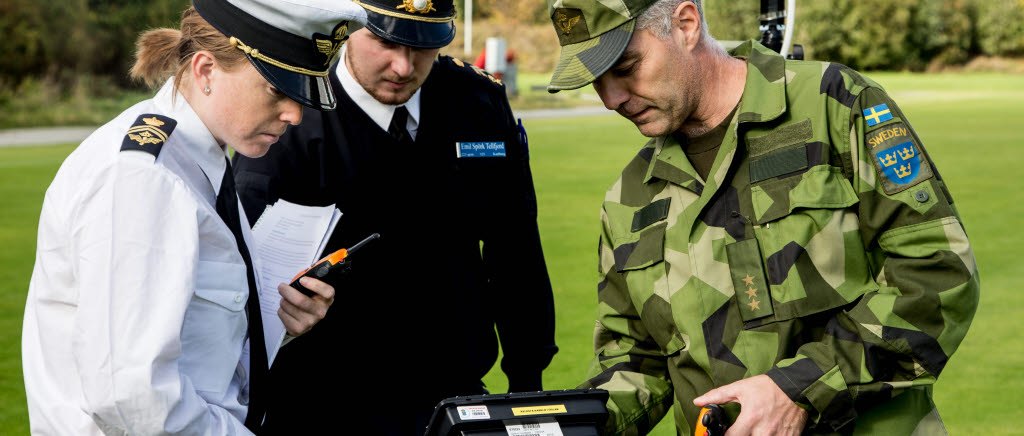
593, 34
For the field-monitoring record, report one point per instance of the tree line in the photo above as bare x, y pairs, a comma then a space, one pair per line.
61, 39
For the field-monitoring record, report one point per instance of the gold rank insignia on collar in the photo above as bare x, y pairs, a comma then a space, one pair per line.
148, 133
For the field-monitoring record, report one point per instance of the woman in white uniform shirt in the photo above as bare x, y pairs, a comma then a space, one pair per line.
137, 311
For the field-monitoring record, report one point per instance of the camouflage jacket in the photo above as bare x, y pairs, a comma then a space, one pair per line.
824, 251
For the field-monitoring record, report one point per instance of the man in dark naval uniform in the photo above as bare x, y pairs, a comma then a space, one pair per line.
425, 151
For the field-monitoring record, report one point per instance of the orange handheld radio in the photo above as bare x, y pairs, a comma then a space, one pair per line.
332, 264
710, 422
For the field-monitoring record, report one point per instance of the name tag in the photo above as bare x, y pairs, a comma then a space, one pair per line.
479, 149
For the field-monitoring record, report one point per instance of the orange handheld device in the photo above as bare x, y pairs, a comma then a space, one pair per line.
332, 264
710, 422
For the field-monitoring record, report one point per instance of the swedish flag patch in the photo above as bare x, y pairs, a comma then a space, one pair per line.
877, 114
148, 133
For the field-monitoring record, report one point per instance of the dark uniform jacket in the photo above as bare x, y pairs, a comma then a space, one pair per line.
459, 253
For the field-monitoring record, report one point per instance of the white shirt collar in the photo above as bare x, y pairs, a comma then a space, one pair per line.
379, 112
192, 133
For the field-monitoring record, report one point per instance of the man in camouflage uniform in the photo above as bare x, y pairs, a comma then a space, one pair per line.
783, 242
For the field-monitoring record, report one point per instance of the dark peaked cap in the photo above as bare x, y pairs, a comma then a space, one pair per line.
413, 23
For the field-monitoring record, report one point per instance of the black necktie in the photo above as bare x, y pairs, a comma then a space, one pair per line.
397, 128
227, 208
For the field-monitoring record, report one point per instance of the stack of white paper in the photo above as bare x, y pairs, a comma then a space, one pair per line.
288, 239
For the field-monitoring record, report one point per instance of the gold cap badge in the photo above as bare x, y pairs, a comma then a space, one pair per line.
565, 22
421, 6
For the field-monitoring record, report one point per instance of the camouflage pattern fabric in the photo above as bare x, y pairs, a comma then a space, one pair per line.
824, 251
593, 35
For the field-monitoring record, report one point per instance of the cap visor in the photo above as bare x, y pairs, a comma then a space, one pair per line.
311, 91
409, 32
581, 63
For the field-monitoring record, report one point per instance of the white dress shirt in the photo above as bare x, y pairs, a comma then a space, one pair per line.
379, 112
135, 320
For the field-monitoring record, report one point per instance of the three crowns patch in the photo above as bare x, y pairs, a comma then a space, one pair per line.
900, 164
148, 133
898, 159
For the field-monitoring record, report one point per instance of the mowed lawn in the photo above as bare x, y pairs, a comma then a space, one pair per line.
971, 125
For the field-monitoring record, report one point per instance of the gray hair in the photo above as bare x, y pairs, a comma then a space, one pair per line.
657, 19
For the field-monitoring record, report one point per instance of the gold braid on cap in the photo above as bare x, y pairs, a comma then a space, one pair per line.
235, 42
406, 16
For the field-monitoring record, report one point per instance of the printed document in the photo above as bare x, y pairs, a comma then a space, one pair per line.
289, 238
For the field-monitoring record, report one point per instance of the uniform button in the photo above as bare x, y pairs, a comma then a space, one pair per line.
238, 298
921, 196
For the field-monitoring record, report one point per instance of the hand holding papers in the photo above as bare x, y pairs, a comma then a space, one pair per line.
288, 238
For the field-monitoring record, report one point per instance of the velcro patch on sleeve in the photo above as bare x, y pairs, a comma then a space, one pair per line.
148, 133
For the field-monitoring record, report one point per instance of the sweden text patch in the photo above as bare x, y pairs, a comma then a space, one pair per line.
885, 136
479, 149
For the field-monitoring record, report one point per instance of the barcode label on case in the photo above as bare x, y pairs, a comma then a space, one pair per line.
537, 429
473, 412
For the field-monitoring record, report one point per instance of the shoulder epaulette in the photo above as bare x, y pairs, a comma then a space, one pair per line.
469, 67
148, 133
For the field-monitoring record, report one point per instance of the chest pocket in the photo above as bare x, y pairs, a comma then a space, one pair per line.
808, 235
215, 325
639, 254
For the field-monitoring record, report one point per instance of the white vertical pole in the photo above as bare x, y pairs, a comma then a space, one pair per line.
787, 39
467, 27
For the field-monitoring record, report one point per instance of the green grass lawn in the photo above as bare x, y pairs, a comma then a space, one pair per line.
970, 124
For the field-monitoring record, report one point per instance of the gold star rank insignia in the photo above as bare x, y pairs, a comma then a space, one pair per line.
750, 287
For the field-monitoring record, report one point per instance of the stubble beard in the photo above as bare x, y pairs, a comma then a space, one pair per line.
367, 81
393, 99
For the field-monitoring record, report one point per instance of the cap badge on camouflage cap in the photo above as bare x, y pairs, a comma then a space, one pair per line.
571, 26
564, 22
329, 45
421, 6
593, 35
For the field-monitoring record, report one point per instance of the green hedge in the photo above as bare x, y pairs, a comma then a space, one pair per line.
56, 41
61, 39
886, 34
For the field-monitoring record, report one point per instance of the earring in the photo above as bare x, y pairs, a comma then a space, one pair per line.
206, 90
